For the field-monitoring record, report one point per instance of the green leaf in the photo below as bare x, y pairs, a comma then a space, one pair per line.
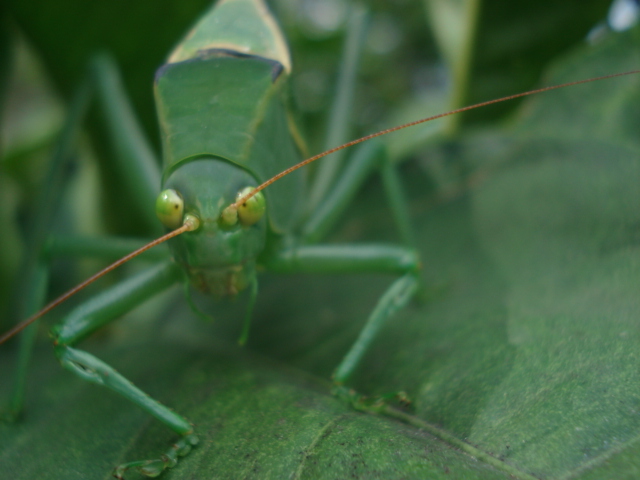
255, 419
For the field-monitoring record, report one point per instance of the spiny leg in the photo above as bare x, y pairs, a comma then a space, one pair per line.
95, 313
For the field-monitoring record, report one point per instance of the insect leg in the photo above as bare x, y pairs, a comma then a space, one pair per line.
32, 282
135, 161
334, 186
396, 297
370, 156
134, 157
358, 258
340, 116
95, 313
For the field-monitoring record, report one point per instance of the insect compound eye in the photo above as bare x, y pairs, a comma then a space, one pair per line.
253, 209
170, 208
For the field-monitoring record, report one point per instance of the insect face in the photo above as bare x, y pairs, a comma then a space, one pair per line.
220, 256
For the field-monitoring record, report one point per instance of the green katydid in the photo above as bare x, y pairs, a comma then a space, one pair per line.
194, 162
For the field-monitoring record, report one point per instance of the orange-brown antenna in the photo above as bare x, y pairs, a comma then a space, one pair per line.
264, 185
190, 223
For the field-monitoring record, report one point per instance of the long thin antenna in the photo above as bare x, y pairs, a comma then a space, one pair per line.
188, 225
277, 177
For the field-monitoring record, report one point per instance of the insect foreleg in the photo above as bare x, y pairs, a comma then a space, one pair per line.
401, 260
394, 299
135, 162
95, 313
358, 258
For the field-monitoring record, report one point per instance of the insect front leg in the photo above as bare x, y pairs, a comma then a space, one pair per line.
392, 259
358, 258
140, 172
137, 166
95, 313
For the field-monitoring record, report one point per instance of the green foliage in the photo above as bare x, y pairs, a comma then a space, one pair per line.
521, 360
